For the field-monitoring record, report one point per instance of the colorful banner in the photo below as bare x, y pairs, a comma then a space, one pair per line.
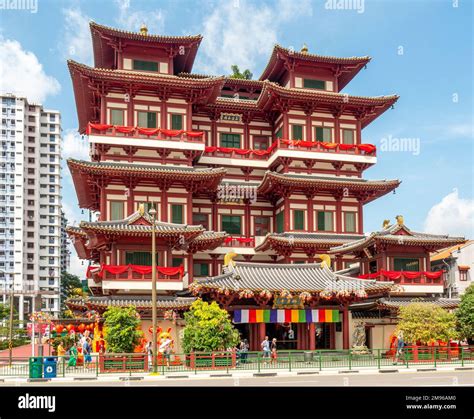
286, 316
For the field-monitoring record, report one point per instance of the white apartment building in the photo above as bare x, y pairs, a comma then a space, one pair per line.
30, 204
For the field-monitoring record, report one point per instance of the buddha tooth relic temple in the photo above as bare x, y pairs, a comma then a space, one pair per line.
259, 191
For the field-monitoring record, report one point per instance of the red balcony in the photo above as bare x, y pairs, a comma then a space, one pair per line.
145, 133
407, 277
239, 242
135, 273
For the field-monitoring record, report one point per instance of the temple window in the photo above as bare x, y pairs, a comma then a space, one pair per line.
201, 219
176, 121
142, 65
280, 217
323, 134
262, 226
116, 117
373, 266
139, 258
298, 220
279, 133
350, 222
260, 143
463, 273
297, 132
348, 136
201, 269
232, 224
325, 221
177, 262
314, 84
116, 210
148, 206
406, 264
177, 214
230, 140
146, 119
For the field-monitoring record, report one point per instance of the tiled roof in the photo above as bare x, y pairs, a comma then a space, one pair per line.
397, 302
389, 235
447, 253
311, 277
163, 302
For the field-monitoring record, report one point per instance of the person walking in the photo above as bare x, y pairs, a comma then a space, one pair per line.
165, 349
400, 346
266, 349
86, 350
72, 356
149, 351
273, 348
244, 350
60, 349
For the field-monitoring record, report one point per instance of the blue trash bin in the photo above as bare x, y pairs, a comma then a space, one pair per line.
50, 366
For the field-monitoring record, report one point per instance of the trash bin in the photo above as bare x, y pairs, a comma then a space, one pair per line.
308, 356
50, 366
36, 367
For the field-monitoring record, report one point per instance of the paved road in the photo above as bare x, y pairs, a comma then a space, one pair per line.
424, 379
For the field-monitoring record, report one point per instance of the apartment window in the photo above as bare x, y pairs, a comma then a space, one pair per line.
260, 143
201, 269
298, 220
230, 140
116, 117
262, 226
314, 84
463, 273
139, 258
325, 221
297, 132
145, 65
348, 136
280, 217
201, 219
406, 264
147, 119
323, 134
177, 214
116, 210
350, 222
232, 224
176, 121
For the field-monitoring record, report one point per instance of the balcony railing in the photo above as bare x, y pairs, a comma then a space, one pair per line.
135, 273
279, 144
145, 133
408, 277
239, 241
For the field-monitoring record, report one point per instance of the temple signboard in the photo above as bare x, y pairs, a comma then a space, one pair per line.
288, 302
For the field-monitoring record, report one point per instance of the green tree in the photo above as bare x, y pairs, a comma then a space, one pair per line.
421, 322
121, 329
465, 314
236, 74
71, 286
4, 311
208, 328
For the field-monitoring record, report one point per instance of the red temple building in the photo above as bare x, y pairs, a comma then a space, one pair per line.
268, 171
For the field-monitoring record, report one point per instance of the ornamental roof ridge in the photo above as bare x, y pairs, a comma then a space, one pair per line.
278, 47
147, 37
327, 178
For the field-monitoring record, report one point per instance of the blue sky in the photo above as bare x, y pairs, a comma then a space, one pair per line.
421, 50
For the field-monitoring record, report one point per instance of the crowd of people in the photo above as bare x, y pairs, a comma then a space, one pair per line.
83, 346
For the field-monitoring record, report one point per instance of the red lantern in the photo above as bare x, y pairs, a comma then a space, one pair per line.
70, 328
59, 328
81, 328
89, 327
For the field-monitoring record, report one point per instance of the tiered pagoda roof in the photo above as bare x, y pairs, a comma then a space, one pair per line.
345, 68
107, 40
85, 174
394, 304
310, 277
276, 184
401, 235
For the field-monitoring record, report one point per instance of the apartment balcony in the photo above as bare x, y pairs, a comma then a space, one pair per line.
145, 137
135, 278
317, 150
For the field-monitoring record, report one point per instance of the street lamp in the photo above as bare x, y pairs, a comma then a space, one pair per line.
152, 212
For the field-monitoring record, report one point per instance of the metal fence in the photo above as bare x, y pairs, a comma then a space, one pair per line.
225, 362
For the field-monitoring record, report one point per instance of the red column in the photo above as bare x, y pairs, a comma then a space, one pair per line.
113, 254
337, 130
261, 331
103, 110
338, 215
190, 268
360, 218
286, 215
103, 204
286, 127
246, 136
164, 123
189, 118
215, 226
247, 220
130, 113
189, 208
312, 336
214, 141
164, 205
345, 328
309, 128
130, 200
310, 214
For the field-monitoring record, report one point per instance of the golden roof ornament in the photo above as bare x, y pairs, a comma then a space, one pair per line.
229, 259
141, 209
326, 260
304, 49
143, 29
399, 219
386, 224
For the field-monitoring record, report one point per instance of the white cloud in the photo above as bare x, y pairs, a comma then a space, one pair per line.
453, 215
75, 145
76, 42
133, 20
239, 32
22, 74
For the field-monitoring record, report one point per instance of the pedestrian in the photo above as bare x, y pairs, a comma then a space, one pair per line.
266, 349
273, 348
60, 349
165, 349
149, 351
72, 356
244, 350
400, 345
86, 350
